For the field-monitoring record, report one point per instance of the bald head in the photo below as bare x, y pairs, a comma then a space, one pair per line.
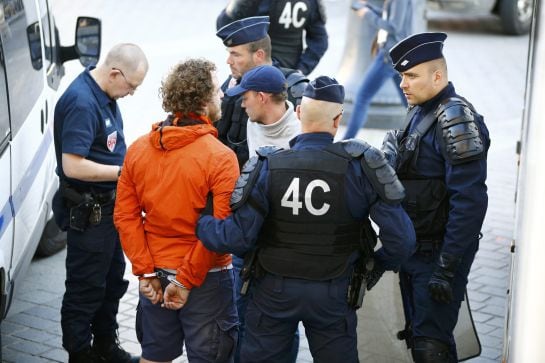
123, 70
127, 56
319, 116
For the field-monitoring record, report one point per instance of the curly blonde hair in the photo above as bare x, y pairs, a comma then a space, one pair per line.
188, 87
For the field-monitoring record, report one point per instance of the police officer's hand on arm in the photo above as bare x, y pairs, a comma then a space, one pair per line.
78, 167
440, 284
237, 233
151, 289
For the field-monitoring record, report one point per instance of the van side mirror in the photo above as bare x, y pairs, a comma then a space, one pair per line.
88, 42
88, 35
35, 45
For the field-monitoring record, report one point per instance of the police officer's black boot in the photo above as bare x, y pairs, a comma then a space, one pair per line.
108, 348
84, 356
428, 350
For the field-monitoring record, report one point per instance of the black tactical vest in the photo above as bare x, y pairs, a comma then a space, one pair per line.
288, 19
309, 232
426, 201
232, 125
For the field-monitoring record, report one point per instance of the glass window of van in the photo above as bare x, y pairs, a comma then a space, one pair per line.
23, 58
4, 116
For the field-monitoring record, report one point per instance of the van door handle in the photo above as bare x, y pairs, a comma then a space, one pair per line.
42, 120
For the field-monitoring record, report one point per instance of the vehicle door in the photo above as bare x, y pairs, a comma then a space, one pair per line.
6, 216
33, 161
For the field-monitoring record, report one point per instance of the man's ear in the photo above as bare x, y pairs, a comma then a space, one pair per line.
337, 121
298, 111
438, 76
259, 56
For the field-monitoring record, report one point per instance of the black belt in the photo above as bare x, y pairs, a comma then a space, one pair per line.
105, 197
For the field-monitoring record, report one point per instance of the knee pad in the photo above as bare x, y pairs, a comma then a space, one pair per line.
428, 350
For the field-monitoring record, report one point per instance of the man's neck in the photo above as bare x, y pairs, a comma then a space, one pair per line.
274, 114
100, 78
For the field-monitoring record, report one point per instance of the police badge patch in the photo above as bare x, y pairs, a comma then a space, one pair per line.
111, 141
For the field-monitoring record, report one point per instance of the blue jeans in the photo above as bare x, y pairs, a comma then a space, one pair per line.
242, 303
379, 72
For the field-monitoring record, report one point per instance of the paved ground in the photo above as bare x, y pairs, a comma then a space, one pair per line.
486, 67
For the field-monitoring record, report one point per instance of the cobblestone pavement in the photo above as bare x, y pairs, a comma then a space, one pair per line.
486, 67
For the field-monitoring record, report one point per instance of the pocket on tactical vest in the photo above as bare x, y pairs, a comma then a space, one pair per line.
426, 203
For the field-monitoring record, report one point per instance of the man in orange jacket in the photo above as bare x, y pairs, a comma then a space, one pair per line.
167, 178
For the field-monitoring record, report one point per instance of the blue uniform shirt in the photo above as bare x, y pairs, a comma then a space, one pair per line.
88, 123
465, 182
239, 232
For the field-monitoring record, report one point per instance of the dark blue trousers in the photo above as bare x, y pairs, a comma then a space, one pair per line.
242, 303
276, 307
430, 318
95, 266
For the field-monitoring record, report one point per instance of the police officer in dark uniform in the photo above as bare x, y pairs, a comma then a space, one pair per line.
440, 157
248, 46
289, 19
304, 209
90, 148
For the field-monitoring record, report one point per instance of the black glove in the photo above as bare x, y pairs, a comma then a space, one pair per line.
390, 147
440, 284
374, 275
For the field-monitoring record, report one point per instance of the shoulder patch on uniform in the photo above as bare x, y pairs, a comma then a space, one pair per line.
461, 139
355, 147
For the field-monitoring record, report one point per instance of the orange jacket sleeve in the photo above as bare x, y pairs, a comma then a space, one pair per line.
128, 220
199, 260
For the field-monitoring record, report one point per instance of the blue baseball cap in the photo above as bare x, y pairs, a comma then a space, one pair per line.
416, 49
325, 88
244, 31
265, 78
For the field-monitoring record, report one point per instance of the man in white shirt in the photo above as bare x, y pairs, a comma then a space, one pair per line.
272, 119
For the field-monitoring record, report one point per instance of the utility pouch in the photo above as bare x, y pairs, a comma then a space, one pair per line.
96, 214
80, 215
356, 288
247, 271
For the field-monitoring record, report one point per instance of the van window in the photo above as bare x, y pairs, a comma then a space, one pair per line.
49, 36
22, 44
4, 115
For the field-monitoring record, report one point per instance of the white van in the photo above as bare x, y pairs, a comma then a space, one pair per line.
31, 67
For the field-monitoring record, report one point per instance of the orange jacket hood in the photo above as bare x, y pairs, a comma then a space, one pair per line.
168, 135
